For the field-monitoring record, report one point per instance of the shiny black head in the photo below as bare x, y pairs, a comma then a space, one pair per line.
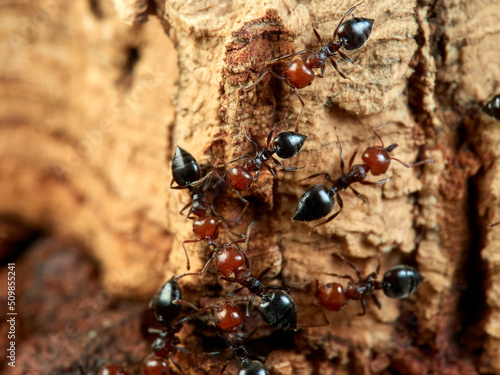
185, 168
288, 144
401, 281
253, 368
492, 108
354, 32
314, 204
279, 310
162, 303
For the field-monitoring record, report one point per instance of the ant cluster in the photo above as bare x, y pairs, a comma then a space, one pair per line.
228, 257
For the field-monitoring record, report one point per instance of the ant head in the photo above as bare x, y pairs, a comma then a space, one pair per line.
227, 315
288, 144
162, 304
228, 259
331, 296
401, 281
354, 32
279, 310
314, 204
155, 365
112, 370
185, 168
377, 159
206, 227
253, 368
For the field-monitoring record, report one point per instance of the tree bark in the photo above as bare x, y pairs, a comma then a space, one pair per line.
92, 110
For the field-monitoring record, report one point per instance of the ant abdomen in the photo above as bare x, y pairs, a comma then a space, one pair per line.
331, 296
492, 108
279, 310
288, 144
354, 32
162, 304
253, 368
298, 75
314, 204
185, 168
401, 281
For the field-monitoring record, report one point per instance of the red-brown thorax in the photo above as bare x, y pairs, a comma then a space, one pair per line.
238, 178
298, 75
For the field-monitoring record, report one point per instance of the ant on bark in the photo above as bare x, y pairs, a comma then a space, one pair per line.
165, 346
229, 322
352, 34
276, 306
318, 201
186, 173
398, 282
492, 108
285, 145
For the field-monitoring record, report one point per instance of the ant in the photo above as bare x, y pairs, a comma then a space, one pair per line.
285, 145
276, 306
318, 201
165, 345
492, 108
229, 322
352, 34
398, 282
186, 173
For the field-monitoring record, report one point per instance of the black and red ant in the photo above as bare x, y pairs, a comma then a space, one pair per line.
276, 306
165, 345
186, 173
318, 201
285, 145
229, 321
492, 108
352, 34
398, 282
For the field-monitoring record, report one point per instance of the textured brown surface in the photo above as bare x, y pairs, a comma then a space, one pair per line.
91, 110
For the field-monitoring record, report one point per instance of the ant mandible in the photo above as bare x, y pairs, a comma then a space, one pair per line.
285, 145
398, 282
229, 322
492, 108
318, 201
276, 306
165, 345
352, 34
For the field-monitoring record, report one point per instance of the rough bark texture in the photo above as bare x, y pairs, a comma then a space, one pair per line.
94, 99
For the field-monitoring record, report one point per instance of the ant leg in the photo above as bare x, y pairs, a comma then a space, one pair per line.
341, 205
427, 161
350, 264
358, 194
363, 305
316, 34
185, 207
249, 306
280, 166
272, 171
202, 272
374, 130
377, 302
300, 113
375, 182
265, 272
176, 364
341, 153
254, 144
242, 199
322, 74
345, 57
337, 69
188, 264
351, 160
248, 88
234, 292
491, 225
287, 56
301, 284
325, 174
